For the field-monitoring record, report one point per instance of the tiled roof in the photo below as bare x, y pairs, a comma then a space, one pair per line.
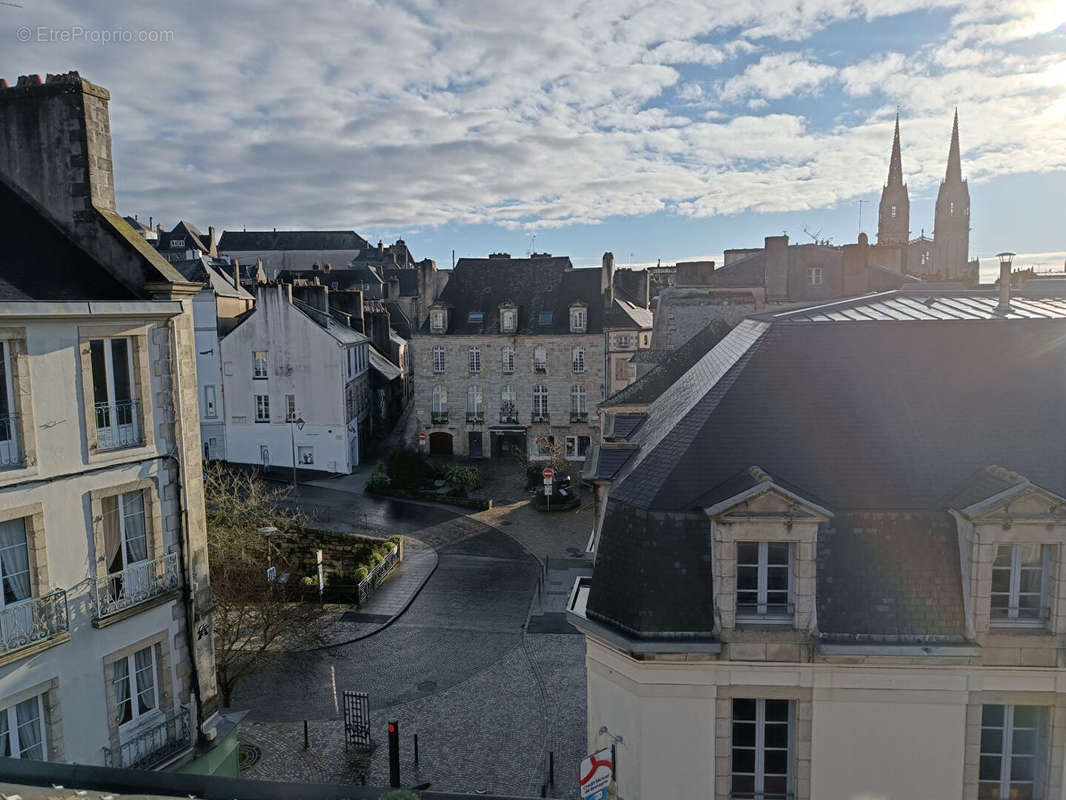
243, 241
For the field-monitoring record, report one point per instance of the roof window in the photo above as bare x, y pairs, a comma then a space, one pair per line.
475, 316
544, 318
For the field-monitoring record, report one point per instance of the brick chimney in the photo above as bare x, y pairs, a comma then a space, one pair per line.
55, 143
776, 266
314, 295
212, 243
607, 279
350, 302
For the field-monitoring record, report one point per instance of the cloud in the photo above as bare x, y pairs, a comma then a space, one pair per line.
863, 78
776, 76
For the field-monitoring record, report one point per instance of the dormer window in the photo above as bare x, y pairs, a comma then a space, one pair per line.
578, 319
508, 320
1020, 585
764, 582
437, 320
176, 243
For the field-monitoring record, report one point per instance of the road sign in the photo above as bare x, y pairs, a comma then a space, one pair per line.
595, 775
548, 488
548, 473
422, 438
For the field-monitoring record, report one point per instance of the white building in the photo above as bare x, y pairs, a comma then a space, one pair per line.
106, 639
813, 581
290, 360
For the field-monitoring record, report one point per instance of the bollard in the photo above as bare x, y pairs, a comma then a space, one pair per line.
551, 767
394, 755
306, 742
543, 790
362, 778
416, 749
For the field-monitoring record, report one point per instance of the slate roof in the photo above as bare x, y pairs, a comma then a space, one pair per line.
185, 232
39, 261
214, 271
534, 285
383, 366
240, 241
626, 315
882, 421
398, 320
672, 365
339, 331
623, 425
407, 277
344, 278
607, 462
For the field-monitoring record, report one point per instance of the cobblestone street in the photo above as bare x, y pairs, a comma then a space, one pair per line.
488, 700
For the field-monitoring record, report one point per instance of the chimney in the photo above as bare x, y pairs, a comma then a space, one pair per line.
393, 290
1005, 260
607, 279
315, 296
377, 323
776, 248
350, 302
236, 274
55, 144
381, 248
212, 243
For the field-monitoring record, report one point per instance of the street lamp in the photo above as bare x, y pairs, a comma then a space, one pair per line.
299, 423
267, 531
1005, 260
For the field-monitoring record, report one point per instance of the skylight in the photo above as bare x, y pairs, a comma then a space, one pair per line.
544, 318
475, 316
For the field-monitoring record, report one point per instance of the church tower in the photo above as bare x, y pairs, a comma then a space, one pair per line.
893, 220
951, 231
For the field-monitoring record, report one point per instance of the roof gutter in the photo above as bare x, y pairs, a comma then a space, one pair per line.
897, 650
18, 309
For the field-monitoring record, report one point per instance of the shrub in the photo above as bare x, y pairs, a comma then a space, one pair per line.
407, 469
379, 481
361, 573
467, 477
310, 580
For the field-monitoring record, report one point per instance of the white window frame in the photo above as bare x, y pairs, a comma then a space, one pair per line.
572, 451
507, 357
9, 429
290, 408
578, 319
14, 740
438, 360
114, 415
622, 340
475, 400
1006, 753
260, 371
440, 399
210, 402
540, 401
19, 618
760, 749
508, 320
540, 359
473, 360
508, 406
815, 276
436, 321
577, 357
578, 399
262, 408
762, 612
1014, 593
124, 514
137, 717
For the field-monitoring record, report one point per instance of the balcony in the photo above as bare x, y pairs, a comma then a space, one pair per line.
34, 620
475, 417
439, 418
136, 584
579, 416
11, 454
154, 745
540, 369
540, 417
508, 415
118, 425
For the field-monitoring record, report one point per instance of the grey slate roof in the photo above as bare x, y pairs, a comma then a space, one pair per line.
343, 278
239, 241
383, 366
398, 320
214, 271
608, 461
39, 261
884, 422
407, 277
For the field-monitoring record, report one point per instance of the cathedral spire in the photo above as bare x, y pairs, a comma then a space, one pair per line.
954, 171
895, 165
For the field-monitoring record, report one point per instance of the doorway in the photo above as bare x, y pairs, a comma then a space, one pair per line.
440, 444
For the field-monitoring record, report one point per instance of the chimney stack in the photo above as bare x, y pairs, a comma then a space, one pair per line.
212, 243
236, 274
1005, 260
776, 266
607, 279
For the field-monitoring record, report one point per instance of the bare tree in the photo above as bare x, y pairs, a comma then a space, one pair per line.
254, 616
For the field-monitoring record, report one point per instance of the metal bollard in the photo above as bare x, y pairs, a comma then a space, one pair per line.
551, 767
307, 743
416, 749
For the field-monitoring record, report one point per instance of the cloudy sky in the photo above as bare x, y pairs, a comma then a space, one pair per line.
670, 129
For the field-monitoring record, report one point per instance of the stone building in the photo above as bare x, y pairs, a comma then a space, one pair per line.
291, 249
831, 563
514, 350
106, 634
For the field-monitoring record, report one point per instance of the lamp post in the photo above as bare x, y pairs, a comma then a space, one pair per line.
299, 423
1005, 260
267, 531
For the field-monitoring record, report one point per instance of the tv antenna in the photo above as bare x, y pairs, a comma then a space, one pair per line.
532, 244
816, 236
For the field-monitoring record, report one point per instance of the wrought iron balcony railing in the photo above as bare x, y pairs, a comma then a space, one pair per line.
475, 417
153, 745
33, 620
579, 416
540, 417
11, 454
118, 425
136, 584
439, 417
509, 415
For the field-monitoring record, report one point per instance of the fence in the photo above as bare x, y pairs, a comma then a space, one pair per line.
377, 575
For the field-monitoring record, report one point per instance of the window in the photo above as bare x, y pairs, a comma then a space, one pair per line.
814, 276
476, 317
578, 408
762, 739
438, 360
209, 402
578, 357
925, 257
305, 455
14, 567
540, 359
577, 446
436, 321
508, 320
113, 397
545, 445
259, 365
9, 449
764, 580
508, 411
126, 545
540, 403
22, 730
135, 689
475, 403
440, 404
622, 340
1010, 760
473, 358
262, 408
508, 360
951, 208
176, 243
1019, 584
264, 455
290, 408
578, 316
544, 318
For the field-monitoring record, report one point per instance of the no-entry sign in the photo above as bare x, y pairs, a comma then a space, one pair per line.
548, 473
422, 438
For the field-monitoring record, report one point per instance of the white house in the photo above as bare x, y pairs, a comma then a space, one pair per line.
296, 383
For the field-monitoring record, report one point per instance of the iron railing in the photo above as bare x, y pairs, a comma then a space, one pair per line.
136, 584
540, 418
377, 575
118, 425
34, 620
475, 417
579, 416
154, 745
509, 414
439, 417
10, 447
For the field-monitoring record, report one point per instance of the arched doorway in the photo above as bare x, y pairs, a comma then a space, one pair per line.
440, 444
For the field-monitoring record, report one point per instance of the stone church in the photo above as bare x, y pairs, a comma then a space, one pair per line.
946, 253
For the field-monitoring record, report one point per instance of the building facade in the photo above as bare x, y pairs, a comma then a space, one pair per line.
290, 361
813, 582
106, 635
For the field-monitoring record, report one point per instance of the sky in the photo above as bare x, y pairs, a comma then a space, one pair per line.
669, 130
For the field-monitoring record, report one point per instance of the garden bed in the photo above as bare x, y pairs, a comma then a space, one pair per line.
408, 474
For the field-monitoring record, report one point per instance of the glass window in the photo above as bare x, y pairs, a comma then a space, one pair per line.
508, 360
1019, 584
577, 320
540, 359
290, 408
1011, 754
814, 276
209, 402
436, 320
764, 580
577, 400
476, 316
9, 452
577, 446
544, 318
761, 752
578, 358
474, 359
135, 690
540, 401
438, 360
508, 320
14, 562
474, 400
305, 454
262, 408
440, 400
259, 364
113, 396
508, 411
22, 730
